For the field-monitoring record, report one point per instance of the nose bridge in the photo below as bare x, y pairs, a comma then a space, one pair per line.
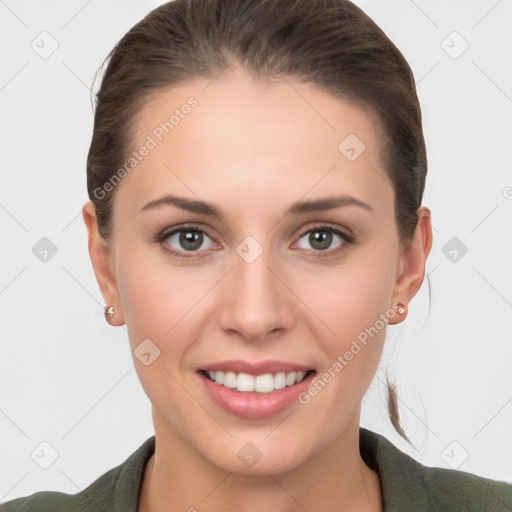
255, 301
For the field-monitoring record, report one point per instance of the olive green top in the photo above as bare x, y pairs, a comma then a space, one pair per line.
407, 485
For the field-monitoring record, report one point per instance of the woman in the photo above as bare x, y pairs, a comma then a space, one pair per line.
255, 179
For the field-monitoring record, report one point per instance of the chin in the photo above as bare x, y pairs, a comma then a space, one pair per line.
258, 457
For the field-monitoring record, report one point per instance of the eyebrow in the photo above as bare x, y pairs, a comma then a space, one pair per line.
297, 208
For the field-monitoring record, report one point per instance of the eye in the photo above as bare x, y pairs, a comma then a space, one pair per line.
189, 241
321, 238
185, 239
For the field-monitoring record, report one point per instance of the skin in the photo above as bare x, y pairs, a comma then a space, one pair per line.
254, 148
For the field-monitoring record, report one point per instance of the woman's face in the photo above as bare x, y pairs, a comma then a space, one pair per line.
256, 283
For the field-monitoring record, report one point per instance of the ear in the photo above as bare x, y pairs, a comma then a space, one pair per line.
411, 271
101, 259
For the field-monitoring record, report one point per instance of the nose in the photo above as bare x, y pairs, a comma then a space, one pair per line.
256, 301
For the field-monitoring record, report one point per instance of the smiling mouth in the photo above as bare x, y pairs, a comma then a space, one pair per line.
264, 383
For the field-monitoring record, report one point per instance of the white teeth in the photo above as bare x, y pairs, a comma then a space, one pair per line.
280, 380
229, 380
265, 383
290, 378
245, 382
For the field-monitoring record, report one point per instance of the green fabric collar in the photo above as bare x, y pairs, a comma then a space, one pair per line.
401, 479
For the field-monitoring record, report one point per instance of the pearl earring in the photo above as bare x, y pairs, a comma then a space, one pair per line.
109, 312
400, 308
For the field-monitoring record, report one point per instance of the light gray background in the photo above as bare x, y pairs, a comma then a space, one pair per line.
67, 377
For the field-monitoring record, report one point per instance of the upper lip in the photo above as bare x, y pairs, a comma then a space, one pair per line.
256, 368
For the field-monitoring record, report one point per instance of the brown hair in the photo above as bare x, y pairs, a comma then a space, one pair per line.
331, 43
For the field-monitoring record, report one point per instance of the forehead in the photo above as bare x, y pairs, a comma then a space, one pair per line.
232, 134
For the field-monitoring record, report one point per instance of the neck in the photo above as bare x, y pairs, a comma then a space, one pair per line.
335, 479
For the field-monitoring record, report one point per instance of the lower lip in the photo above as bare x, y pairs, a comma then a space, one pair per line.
254, 405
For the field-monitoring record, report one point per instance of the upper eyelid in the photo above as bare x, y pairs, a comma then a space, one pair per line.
166, 233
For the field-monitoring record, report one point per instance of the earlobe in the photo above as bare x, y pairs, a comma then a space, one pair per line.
100, 254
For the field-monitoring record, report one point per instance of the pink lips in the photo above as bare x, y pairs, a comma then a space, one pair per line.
254, 405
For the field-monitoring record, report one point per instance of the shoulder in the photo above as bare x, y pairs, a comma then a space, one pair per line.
449, 489
45, 501
117, 489
97, 496
409, 485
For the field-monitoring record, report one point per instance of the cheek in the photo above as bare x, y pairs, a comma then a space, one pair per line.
351, 297
158, 305
167, 304
353, 304
152, 291
155, 298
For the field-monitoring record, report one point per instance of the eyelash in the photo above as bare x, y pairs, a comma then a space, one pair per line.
347, 238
